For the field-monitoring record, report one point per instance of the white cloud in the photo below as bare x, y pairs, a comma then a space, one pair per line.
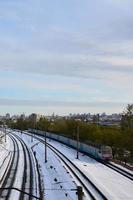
89, 52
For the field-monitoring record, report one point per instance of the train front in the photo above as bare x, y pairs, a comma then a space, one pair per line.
106, 153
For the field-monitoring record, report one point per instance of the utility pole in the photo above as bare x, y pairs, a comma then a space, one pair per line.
32, 136
80, 193
77, 141
34, 125
45, 148
5, 132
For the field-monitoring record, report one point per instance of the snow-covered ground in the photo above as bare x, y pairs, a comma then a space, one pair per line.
6, 155
114, 185
19, 174
117, 165
57, 182
6, 148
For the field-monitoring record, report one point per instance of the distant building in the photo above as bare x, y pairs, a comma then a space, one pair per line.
7, 116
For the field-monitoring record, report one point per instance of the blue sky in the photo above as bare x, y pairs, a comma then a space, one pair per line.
65, 56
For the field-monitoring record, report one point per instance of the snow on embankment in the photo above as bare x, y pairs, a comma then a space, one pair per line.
6, 148
113, 184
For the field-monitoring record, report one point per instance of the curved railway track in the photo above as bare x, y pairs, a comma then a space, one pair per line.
111, 166
117, 169
8, 178
120, 170
89, 187
7, 182
28, 182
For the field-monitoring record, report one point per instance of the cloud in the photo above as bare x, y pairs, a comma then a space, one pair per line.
77, 65
65, 51
87, 46
41, 103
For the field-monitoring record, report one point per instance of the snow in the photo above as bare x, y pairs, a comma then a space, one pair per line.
6, 148
57, 181
125, 169
19, 174
5, 155
113, 184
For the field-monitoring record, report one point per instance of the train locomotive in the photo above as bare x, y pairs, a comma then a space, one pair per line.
98, 152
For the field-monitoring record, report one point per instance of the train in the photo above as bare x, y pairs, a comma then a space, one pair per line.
99, 152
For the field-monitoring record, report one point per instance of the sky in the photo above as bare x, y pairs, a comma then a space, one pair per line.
61, 56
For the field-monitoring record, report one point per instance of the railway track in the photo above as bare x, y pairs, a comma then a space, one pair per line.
29, 173
27, 182
8, 178
8, 181
120, 170
114, 167
89, 187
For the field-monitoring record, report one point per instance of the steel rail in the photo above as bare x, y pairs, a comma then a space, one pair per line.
107, 164
9, 178
77, 173
27, 174
120, 170
28, 171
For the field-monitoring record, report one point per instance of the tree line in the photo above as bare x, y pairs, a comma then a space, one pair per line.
119, 138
